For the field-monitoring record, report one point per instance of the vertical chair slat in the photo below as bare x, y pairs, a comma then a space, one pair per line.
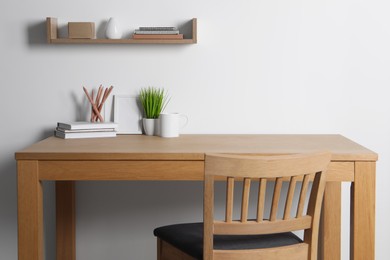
302, 196
290, 197
314, 210
275, 199
229, 199
261, 199
245, 199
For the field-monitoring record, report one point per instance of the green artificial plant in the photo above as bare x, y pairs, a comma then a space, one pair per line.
153, 100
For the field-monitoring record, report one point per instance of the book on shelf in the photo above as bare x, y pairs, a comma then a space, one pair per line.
158, 36
85, 130
86, 125
157, 28
156, 32
76, 135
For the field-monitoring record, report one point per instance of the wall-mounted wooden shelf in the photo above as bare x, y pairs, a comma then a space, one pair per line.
52, 37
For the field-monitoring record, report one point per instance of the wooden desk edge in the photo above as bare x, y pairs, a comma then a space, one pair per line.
158, 156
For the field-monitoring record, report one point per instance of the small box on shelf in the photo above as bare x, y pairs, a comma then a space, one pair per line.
81, 30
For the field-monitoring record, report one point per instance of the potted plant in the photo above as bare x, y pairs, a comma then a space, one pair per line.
153, 101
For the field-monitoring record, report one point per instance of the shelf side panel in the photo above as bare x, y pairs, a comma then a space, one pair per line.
51, 26
194, 30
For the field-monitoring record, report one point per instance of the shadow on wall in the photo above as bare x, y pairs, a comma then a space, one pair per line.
45, 134
36, 33
82, 107
101, 30
186, 29
8, 205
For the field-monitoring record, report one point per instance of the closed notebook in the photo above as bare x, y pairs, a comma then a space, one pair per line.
84, 130
158, 36
75, 135
86, 125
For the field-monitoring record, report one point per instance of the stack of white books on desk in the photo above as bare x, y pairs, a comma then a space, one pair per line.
75, 130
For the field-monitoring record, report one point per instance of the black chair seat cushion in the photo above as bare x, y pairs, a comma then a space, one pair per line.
189, 239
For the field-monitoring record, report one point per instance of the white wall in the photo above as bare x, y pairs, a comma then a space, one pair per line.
259, 67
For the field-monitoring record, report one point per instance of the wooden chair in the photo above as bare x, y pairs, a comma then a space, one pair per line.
265, 237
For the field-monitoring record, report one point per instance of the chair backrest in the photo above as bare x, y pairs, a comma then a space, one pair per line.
262, 169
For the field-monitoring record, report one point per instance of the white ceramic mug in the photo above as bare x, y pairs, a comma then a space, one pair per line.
170, 124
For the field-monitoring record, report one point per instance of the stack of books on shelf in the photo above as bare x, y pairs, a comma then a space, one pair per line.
157, 33
85, 130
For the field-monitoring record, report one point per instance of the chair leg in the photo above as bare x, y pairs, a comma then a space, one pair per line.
166, 251
159, 241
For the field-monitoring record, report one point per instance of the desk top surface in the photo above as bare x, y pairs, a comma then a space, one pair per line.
192, 147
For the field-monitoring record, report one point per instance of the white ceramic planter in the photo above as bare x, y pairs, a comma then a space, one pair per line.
151, 126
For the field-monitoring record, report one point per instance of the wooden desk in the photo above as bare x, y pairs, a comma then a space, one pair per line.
152, 158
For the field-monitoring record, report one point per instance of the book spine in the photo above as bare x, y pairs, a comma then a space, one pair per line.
59, 129
84, 135
85, 125
156, 32
64, 126
157, 28
158, 36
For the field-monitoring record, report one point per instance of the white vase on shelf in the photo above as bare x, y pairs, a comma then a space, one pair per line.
113, 30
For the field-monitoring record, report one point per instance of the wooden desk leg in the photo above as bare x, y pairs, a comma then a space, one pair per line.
66, 220
30, 212
330, 228
363, 212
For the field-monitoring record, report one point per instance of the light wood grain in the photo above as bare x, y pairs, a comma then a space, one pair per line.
264, 227
275, 199
195, 30
30, 212
363, 212
208, 217
192, 147
120, 41
253, 166
120, 170
66, 220
161, 170
261, 199
51, 29
290, 197
229, 199
330, 226
296, 252
341, 171
314, 210
245, 199
302, 195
